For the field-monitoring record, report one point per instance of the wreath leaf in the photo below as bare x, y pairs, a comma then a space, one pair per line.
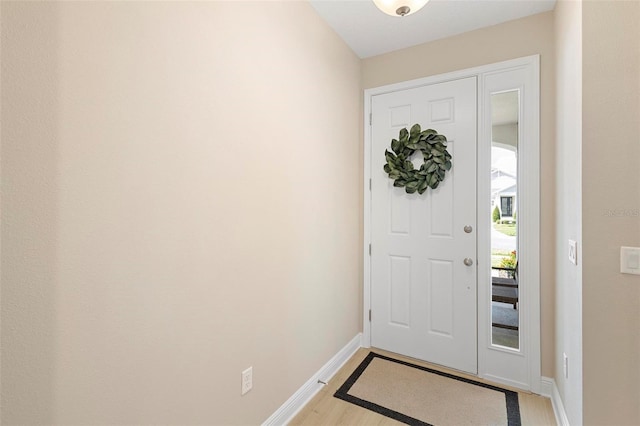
436, 159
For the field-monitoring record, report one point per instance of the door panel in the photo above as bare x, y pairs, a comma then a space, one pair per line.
423, 297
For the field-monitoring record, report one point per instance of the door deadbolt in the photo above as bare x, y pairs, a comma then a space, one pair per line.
468, 261
468, 229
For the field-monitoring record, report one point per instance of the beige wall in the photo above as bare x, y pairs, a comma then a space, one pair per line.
180, 201
611, 202
514, 39
568, 33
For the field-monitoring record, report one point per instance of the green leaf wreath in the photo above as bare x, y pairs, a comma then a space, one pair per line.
437, 160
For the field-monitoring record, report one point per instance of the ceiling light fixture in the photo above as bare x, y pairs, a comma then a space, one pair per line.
400, 7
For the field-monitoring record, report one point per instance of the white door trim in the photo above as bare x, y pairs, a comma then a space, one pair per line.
529, 161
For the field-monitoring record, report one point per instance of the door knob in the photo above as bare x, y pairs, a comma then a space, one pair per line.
468, 229
468, 261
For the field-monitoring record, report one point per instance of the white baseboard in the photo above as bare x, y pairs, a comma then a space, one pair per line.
302, 396
549, 389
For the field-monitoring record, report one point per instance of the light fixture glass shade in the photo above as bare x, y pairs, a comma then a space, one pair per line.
400, 7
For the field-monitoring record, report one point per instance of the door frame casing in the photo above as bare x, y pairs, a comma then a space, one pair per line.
528, 204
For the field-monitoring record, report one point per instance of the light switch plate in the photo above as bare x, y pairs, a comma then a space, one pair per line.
573, 252
630, 260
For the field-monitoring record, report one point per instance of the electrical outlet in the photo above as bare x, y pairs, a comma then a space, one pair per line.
247, 380
573, 252
566, 365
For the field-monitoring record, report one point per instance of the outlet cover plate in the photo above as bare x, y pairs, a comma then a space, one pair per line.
247, 380
573, 252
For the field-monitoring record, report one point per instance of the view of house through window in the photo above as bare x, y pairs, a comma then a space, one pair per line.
505, 318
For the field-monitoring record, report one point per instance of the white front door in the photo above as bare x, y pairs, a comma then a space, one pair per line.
423, 295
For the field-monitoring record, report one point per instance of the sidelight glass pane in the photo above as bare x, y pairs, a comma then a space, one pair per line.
505, 313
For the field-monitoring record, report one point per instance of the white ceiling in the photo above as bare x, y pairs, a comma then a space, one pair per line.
370, 32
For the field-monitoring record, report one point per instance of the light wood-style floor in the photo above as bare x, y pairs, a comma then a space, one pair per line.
324, 409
